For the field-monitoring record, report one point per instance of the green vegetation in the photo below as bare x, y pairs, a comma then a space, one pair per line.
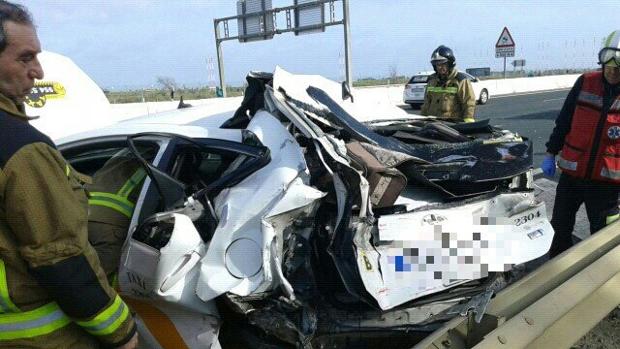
398, 80
163, 95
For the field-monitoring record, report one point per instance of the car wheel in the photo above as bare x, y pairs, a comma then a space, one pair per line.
484, 96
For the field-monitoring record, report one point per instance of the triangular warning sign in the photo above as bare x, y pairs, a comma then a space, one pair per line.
505, 39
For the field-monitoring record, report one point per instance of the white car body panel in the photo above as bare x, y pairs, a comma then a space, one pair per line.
239, 250
363, 109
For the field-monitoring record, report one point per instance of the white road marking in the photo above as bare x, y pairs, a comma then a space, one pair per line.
553, 99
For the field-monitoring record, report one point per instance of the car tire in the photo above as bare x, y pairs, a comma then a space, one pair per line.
484, 96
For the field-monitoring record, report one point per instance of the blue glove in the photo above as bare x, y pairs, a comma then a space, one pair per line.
548, 165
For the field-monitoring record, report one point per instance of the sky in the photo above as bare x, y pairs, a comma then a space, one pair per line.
126, 44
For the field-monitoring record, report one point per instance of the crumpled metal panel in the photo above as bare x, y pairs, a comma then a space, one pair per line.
239, 251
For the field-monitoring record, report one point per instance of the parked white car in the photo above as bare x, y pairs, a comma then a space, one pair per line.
310, 227
413, 93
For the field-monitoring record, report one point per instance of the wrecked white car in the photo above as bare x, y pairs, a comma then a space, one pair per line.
316, 219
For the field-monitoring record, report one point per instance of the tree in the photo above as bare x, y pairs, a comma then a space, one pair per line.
393, 72
167, 83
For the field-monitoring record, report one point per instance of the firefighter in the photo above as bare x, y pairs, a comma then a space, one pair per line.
113, 196
53, 291
449, 94
587, 138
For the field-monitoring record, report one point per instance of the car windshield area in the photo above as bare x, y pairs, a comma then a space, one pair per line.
418, 79
92, 157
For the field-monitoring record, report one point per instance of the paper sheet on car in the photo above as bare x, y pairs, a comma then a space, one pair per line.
424, 252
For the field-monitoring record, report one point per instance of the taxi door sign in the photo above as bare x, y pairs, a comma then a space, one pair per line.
43, 91
505, 46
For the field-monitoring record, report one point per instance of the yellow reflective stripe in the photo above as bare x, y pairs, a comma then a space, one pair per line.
36, 322
113, 201
611, 219
451, 90
114, 281
132, 182
67, 170
6, 305
108, 320
468, 120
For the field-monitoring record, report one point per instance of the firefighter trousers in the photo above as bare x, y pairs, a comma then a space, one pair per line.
600, 198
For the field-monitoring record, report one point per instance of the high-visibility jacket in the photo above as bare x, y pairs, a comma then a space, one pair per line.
592, 146
453, 98
53, 292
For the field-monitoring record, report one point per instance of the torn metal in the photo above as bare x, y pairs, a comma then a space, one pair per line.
356, 228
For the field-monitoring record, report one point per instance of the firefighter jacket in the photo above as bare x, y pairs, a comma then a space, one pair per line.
588, 131
452, 98
53, 292
113, 196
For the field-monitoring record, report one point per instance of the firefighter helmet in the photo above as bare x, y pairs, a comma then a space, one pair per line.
443, 54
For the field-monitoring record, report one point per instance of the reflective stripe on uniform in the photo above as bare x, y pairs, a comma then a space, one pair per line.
67, 170
611, 174
6, 305
450, 90
611, 219
15, 324
468, 120
615, 107
33, 323
118, 201
108, 320
590, 98
113, 201
132, 182
567, 165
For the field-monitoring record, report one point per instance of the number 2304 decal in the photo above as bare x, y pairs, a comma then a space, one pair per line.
520, 220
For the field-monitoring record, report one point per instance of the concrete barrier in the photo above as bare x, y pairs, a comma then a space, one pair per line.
529, 84
392, 94
130, 110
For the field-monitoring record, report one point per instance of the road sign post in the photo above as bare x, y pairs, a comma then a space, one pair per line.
505, 47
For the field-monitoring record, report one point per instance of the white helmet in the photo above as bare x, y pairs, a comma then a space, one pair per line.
610, 53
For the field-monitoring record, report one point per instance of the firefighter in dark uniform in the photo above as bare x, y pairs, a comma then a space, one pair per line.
449, 93
587, 137
53, 291
113, 196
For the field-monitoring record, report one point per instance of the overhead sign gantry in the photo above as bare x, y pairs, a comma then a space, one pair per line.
257, 20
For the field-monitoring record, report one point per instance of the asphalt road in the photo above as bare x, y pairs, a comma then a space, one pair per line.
531, 115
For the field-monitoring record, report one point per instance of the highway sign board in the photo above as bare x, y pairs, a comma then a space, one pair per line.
311, 15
